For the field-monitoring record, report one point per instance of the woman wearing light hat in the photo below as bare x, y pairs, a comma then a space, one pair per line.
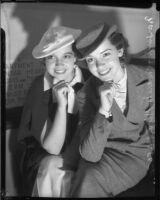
116, 118
50, 114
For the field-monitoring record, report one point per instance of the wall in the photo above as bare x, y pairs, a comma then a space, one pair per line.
24, 25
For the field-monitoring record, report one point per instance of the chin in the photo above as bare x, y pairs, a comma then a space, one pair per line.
60, 78
60, 75
104, 79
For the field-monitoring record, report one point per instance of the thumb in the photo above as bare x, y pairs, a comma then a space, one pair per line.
109, 97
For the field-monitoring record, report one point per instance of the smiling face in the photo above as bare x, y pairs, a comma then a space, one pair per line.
104, 62
60, 64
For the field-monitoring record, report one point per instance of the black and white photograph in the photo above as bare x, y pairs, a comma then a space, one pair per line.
79, 85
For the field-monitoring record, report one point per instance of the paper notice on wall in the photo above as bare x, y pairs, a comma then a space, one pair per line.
19, 77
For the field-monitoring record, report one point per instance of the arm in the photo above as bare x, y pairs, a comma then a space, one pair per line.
57, 133
94, 136
24, 128
94, 131
25, 122
53, 134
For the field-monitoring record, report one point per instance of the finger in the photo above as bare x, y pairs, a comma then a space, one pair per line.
109, 97
62, 90
105, 92
70, 89
65, 92
60, 85
108, 84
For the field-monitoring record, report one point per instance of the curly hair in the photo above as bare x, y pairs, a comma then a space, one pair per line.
120, 42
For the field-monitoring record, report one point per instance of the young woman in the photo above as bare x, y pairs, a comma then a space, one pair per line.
117, 109
50, 114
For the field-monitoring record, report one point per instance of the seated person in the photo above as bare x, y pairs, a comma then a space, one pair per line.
50, 113
116, 128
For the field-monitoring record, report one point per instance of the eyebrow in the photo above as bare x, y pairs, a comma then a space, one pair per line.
89, 56
105, 50
69, 53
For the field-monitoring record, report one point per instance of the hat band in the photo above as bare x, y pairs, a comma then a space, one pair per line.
90, 48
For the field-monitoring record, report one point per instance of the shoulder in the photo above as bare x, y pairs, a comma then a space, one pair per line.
136, 69
144, 76
140, 72
35, 89
139, 69
37, 83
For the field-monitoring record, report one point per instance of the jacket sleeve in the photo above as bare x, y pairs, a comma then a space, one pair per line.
150, 110
26, 117
24, 127
94, 129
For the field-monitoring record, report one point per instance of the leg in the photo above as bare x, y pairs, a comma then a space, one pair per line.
89, 182
49, 177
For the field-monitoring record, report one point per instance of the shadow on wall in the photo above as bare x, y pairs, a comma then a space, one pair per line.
36, 18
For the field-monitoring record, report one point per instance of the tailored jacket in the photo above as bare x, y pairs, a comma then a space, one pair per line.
125, 142
37, 108
139, 107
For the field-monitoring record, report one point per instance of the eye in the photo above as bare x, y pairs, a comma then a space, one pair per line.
68, 56
106, 54
90, 60
51, 58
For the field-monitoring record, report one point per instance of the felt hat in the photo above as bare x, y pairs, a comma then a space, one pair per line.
54, 39
92, 38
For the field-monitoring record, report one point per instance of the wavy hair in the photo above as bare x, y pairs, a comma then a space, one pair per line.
120, 42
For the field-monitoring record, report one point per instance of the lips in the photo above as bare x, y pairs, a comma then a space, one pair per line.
62, 71
104, 72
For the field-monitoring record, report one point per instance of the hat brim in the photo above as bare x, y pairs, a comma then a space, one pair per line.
39, 51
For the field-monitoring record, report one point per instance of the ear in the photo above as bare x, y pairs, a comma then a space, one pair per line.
120, 52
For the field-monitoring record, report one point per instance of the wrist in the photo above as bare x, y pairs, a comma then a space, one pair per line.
106, 113
61, 108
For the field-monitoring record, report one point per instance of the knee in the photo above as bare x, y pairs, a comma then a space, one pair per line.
49, 163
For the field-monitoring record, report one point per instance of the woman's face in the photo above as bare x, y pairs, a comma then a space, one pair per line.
104, 62
60, 64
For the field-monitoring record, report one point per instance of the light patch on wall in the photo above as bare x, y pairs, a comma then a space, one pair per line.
15, 38
12, 27
56, 21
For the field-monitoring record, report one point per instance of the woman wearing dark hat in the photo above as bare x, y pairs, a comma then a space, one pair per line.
50, 114
117, 109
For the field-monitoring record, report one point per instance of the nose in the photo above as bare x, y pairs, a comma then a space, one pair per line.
100, 63
58, 61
